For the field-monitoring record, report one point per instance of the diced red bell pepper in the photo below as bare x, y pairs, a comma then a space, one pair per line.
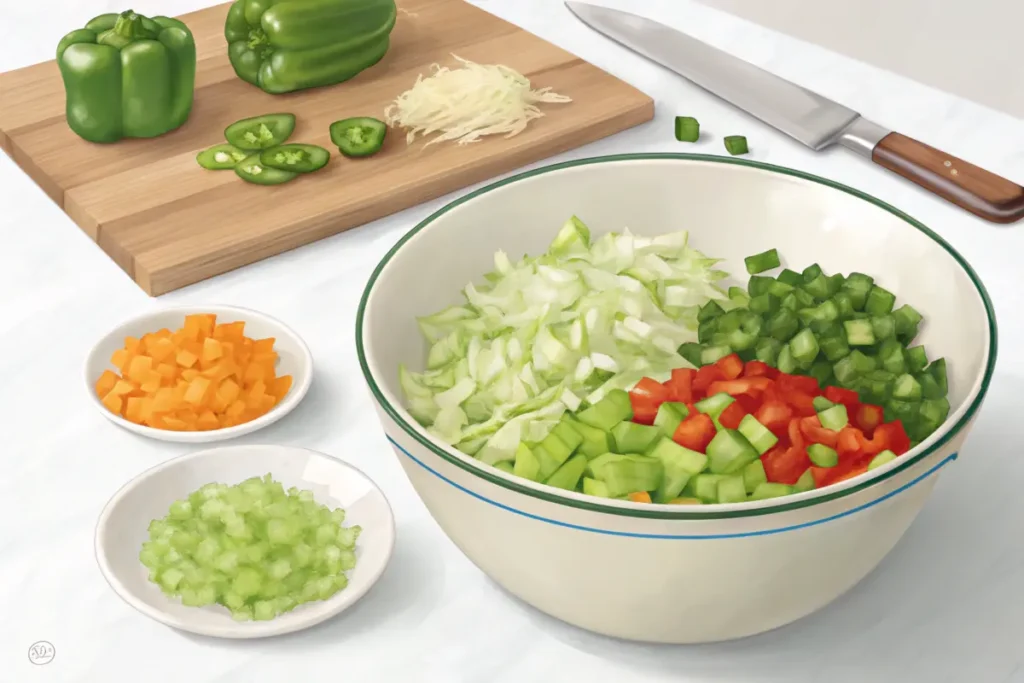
890, 436
752, 386
854, 472
812, 430
755, 368
646, 397
796, 437
851, 445
695, 432
868, 417
680, 385
785, 465
732, 415
775, 415
801, 383
704, 378
751, 404
803, 403
847, 397
731, 366
822, 476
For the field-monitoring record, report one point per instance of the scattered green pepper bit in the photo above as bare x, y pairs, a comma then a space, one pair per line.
766, 260
687, 129
736, 144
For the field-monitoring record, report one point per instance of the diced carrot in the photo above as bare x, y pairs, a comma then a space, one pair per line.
229, 331
640, 497
105, 383
263, 345
113, 403
202, 376
139, 369
207, 420
133, 409
281, 386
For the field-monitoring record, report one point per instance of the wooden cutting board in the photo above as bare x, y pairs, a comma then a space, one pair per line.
168, 223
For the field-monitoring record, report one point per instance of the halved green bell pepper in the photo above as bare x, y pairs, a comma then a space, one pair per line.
287, 45
128, 76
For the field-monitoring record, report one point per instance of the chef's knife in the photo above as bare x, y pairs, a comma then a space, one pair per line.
808, 117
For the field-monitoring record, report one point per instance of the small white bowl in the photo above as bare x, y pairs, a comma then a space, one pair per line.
294, 359
123, 526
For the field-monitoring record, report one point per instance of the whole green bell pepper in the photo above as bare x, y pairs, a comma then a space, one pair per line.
287, 45
127, 76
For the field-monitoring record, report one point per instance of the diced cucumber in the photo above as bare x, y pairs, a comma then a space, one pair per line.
631, 437
822, 456
568, 475
729, 452
753, 475
757, 434
670, 414
679, 463
834, 418
705, 487
526, 465
859, 332
731, 490
593, 487
627, 473
771, 490
804, 483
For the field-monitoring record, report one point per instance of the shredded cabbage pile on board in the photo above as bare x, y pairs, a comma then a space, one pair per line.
469, 102
547, 333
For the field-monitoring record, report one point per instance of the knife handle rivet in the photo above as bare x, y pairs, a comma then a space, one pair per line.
947, 164
953, 171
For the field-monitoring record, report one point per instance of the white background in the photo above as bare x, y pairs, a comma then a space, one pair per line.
945, 606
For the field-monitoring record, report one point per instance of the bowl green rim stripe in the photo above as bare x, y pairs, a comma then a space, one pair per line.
639, 511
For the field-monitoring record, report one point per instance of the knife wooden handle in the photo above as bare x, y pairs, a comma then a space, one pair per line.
984, 194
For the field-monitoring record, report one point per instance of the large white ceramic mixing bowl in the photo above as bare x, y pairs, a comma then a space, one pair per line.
661, 573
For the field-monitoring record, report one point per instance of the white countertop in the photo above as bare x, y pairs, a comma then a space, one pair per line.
945, 606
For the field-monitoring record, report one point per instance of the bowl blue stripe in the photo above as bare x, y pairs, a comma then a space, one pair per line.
679, 537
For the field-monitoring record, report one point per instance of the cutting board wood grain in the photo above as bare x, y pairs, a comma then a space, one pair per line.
168, 223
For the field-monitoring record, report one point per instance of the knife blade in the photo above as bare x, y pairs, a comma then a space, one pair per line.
806, 116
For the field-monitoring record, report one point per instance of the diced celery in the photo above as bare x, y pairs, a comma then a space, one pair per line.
834, 418
631, 437
714, 405
844, 303
767, 350
786, 362
884, 327
804, 347
783, 325
526, 464
595, 441
882, 458
504, 466
568, 475
710, 354
771, 490
624, 474
754, 475
593, 487
822, 455
729, 452
731, 490
670, 414
679, 463
705, 487
757, 434
804, 483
